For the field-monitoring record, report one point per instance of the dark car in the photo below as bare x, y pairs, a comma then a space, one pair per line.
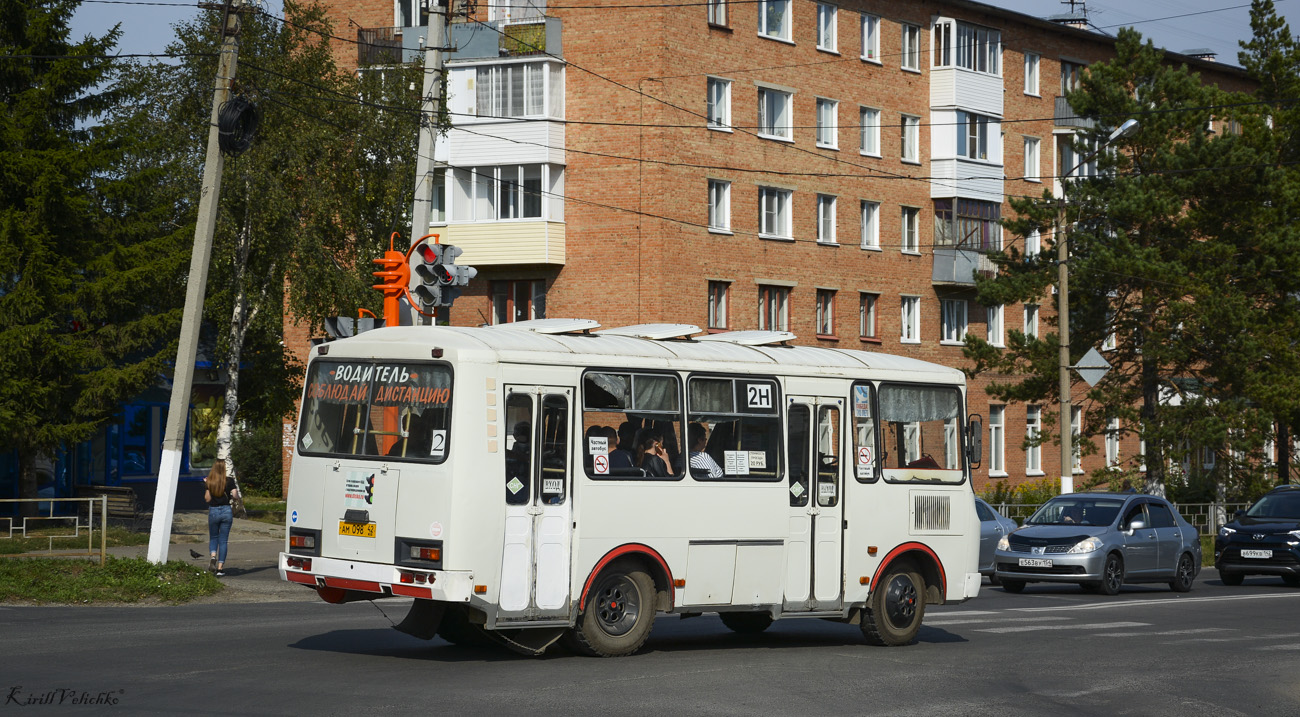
1101, 541
1264, 540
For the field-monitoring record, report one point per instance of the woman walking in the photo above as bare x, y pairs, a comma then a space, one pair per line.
219, 491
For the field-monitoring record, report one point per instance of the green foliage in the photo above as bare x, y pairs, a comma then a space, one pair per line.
257, 455
119, 580
1031, 493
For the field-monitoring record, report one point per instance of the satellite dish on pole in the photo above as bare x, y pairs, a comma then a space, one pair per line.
1092, 367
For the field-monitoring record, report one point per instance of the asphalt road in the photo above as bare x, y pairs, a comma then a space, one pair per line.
1051, 650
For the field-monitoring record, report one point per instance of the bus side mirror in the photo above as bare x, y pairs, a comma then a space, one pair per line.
975, 446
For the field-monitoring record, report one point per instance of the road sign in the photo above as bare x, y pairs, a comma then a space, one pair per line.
1092, 367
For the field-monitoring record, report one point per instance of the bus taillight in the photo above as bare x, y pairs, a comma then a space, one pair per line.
422, 553
299, 563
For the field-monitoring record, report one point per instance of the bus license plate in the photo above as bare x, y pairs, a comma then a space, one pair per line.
359, 530
1265, 554
1035, 563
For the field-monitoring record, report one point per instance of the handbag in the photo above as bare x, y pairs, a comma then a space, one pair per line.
237, 503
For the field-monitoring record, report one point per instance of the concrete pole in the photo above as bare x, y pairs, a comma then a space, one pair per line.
179, 408
432, 96
1063, 320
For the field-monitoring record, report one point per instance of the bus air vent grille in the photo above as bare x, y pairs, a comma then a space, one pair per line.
931, 512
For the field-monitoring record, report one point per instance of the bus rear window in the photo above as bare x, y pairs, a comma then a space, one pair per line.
921, 433
385, 409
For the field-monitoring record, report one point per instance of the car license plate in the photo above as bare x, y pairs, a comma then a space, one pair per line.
1035, 563
359, 530
1265, 554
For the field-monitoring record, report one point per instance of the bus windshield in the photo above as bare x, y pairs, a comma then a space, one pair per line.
363, 408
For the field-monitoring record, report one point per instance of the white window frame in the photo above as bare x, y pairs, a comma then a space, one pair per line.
869, 131
974, 135
1033, 429
774, 222
910, 139
827, 123
718, 104
719, 293
1112, 443
773, 307
780, 103
910, 57
782, 30
1032, 63
1031, 321
871, 38
1033, 244
497, 90
954, 321
870, 225
489, 187
717, 12
997, 440
826, 219
827, 27
719, 206
968, 46
996, 334
909, 230
826, 312
910, 320
867, 325
1033, 155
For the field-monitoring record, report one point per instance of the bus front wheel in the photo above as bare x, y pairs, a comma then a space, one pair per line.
619, 613
893, 613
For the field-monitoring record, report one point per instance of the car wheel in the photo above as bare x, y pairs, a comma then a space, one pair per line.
1112, 576
893, 613
1231, 578
620, 612
1013, 586
1184, 576
746, 623
1292, 580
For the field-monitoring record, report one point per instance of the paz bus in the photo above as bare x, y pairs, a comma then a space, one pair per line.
497, 476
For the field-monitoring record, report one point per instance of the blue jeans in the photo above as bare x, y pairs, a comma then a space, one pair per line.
219, 521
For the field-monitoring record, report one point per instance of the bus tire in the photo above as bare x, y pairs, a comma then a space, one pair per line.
619, 613
746, 623
894, 611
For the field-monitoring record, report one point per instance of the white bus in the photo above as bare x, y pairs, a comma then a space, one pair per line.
538, 480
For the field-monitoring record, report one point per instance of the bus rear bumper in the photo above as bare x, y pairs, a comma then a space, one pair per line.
378, 579
970, 589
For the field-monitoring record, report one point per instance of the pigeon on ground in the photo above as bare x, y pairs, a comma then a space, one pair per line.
195, 554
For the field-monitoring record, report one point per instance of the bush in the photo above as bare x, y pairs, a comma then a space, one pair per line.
257, 455
1031, 493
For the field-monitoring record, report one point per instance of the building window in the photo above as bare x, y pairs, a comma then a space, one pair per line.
911, 139
518, 300
774, 19
953, 321
870, 225
773, 113
825, 312
1076, 430
719, 103
978, 224
1033, 244
1031, 74
825, 219
911, 47
867, 315
827, 127
1033, 451
997, 440
1112, 443
718, 12
1032, 171
995, 332
1031, 321
911, 320
718, 291
869, 120
958, 44
827, 16
774, 213
773, 308
1071, 72
1069, 159
871, 38
412, 16
496, 193
910, 221
973, 135
719, 205
512, 90
438, 215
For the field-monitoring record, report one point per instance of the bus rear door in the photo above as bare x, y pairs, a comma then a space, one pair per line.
535, 558
814, 569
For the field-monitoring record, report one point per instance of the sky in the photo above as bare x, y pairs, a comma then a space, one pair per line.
1215, 24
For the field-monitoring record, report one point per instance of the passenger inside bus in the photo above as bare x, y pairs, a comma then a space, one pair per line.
702, 464
651, 456
625, 454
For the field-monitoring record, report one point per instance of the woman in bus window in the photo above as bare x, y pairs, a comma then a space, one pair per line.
650, 454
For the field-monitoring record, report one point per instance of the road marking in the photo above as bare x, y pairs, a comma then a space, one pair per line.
1163, 601
936, 623
1290, 646
1235, 638
1193, 631
1089, 626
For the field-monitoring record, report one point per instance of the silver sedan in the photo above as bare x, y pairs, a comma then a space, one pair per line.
1101, 541
993, 525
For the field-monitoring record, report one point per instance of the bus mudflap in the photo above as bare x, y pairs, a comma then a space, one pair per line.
424, 619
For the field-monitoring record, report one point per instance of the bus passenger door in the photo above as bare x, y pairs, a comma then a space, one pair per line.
814, 569
535, 558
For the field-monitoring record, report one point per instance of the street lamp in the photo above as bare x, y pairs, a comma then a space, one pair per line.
1063, 314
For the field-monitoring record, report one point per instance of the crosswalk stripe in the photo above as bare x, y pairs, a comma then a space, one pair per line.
1087, 626
977, 620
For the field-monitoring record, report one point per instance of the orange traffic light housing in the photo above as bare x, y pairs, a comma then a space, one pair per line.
394, 275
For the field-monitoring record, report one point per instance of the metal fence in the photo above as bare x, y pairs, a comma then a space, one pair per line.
1207, 517
49, 525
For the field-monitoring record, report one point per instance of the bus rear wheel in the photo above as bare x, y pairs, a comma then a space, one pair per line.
618, 616
894, 611
746, 623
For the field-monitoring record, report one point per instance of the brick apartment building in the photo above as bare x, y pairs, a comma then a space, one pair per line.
779, 164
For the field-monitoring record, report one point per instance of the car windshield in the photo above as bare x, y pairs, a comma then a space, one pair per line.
1278, 505
1076, 511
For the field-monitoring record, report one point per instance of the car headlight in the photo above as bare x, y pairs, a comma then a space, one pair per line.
1087, 545
1225, 531
1003, 543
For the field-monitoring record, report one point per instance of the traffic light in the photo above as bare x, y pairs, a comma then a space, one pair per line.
433, 273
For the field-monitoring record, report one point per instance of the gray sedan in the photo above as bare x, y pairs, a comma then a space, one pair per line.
1101, 541
993, 525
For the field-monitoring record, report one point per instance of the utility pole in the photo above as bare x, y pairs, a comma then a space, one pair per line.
182, 381
429, 111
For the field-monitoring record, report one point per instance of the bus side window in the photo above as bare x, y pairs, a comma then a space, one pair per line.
555, 448
798, 444
519, 448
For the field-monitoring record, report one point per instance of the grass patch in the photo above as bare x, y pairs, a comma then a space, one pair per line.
265, 509
119, 580
41, 540
1207, 551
